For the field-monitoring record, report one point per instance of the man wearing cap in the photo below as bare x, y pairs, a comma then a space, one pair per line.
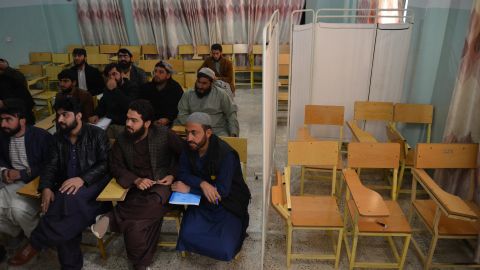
207, 97
135, 74
70, 182
67, 81
211, 168
222, 67
14, 85
89, 78
164, 93
24, 150
144, 160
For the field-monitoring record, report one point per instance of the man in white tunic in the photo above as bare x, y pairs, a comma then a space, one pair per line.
23, 151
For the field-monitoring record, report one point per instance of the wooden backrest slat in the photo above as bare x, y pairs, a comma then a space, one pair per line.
371, 110
373, 155
324, 115
313, 153
413, 113
240, 145
446, 155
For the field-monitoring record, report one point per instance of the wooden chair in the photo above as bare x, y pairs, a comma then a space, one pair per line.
322, 115
376, 156
190, 79
283, 70
61, 58
98, 59
192, 66
136, 51
92, 50
110, 49
417, 114
52, 73
71, 47
148, 65
227, 50
240, 145
284, 48
40, 57
180, 78
202, 51
185, 51
149, 50
372, 111
444, 215
31, 70
369, 215
309, 212
30, 190
241, 53
46, 123
257, 52
177, 65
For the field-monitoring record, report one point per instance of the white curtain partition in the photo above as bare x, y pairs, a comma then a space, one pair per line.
270, 88
352, 62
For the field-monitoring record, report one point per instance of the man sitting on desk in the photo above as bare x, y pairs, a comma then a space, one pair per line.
24, 150
207, 97
143, 159
74, 175
211, 168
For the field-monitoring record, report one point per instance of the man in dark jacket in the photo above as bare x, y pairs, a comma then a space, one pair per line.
211, 168
135, 74
24, 151
14, 85
89, 78
144, 160
164, 93
118, 94
75, 174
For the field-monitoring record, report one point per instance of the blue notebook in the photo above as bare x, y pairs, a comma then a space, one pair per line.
184, 198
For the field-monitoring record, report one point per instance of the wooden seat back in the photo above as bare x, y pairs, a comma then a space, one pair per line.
109, 48
92, 49
40, 57
373, 111
373, 155
312, 153
324, 115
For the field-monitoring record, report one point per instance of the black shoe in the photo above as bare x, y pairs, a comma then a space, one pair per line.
3, 254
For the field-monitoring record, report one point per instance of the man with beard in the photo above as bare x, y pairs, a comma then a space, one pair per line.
211, 168
118, 94
207, 97
164, 93
67, 80
14, 85
89, 78
135, 74
23, 152
222, 67
70, 182
143, 159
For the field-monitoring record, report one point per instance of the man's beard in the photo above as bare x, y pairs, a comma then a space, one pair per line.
80, 64
67, 91
135, 135
11, 132
124, 65
68, 128
159, 83
195, 146
200, 94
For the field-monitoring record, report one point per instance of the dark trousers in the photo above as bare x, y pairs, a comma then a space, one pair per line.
139, 218
64, 222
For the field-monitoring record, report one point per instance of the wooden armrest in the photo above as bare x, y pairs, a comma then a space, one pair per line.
359, 134
46, 123
368, 202
452, 205
30, 189
178, 129
113, 192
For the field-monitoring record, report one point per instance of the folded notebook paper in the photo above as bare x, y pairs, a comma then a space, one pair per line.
184, 198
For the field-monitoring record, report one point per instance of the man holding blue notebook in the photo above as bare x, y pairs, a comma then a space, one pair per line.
211, 168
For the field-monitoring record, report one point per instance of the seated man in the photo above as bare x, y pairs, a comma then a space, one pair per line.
75, 174
119, 92
133, 73
89, 78
143, 159
210, 99
211, 168
67, 81
222, 67
14, 85
164, 93
24, 150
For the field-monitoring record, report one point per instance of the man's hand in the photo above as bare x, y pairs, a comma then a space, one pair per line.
72, 185
210, 192
47, 198
1, 103
162, 121
179, 186
144, 183
166, 181
11, 175
93, 119
111, 84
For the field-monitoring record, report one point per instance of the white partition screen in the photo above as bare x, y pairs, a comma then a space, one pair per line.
270, 88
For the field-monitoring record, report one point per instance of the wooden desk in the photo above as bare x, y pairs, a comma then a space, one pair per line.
360, 135
30, 189
180, 130
33, 80
48, 97
35, 92
303, 134
46, 123
113, 192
